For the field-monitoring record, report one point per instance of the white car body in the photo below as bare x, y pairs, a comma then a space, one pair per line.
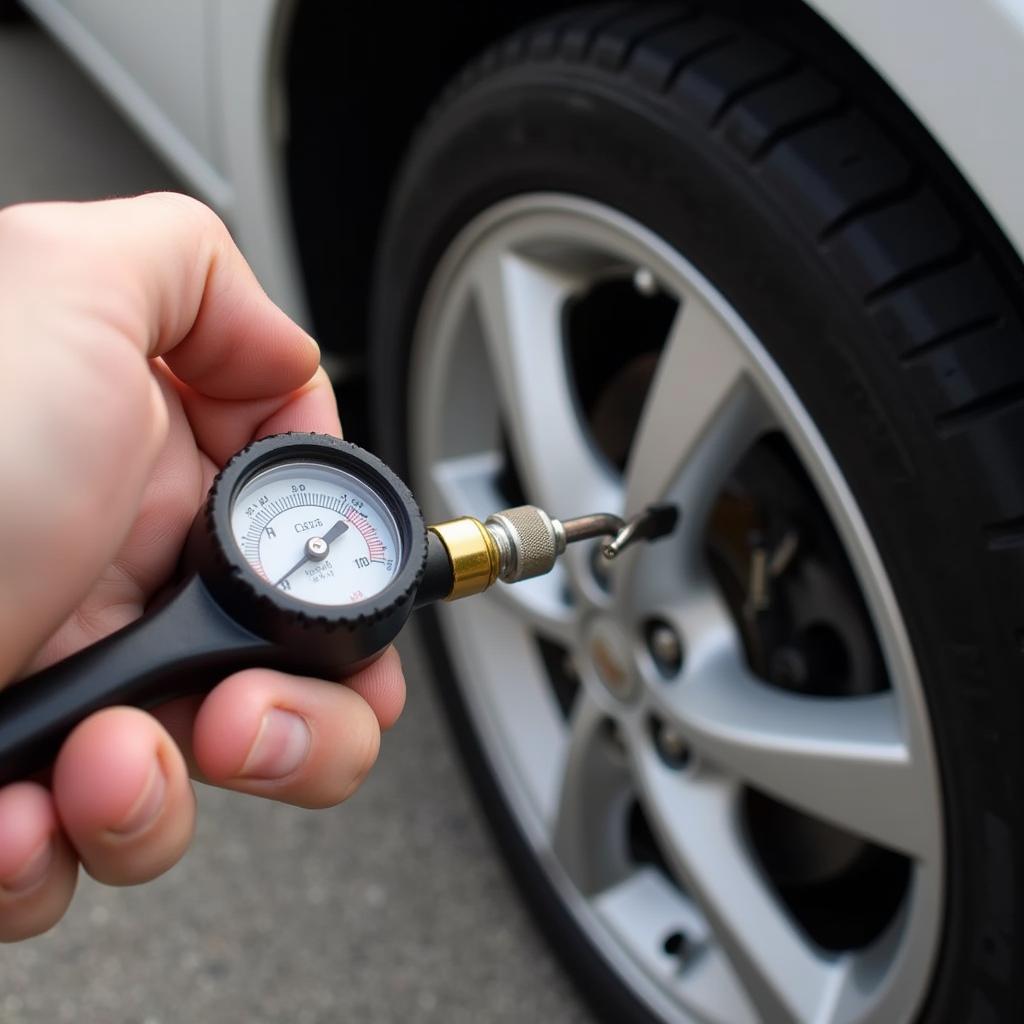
202, 79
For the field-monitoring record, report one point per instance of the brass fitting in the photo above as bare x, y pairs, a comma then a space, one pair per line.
473, 554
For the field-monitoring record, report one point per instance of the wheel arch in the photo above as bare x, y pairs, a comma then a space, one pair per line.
921, 56
356, 87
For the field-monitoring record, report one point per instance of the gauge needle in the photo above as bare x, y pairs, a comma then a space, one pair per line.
310, 550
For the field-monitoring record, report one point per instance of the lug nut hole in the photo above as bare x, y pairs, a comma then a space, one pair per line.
676, 944
669, 742
665, 647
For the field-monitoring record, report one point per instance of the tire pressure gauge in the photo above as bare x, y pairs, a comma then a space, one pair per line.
313, 544
308, 556
285, 510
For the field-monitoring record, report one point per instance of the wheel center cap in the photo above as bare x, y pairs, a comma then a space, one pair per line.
609, 652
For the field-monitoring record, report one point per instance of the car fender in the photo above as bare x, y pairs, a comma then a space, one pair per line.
959, 66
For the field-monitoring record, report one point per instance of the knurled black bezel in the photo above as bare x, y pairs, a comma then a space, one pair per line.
229, 573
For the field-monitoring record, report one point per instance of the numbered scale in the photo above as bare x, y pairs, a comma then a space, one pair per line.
344, 535
308, 556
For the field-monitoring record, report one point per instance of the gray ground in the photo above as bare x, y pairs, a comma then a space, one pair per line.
392, 908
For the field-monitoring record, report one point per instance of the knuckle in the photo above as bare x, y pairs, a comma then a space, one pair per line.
25, 223
26, 915
185, 204
200, 217
148, 856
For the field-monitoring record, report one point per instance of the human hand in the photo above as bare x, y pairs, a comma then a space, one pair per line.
137, 353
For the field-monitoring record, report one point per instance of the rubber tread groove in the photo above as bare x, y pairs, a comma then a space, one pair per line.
887, 197
550, 33
796, 126
978, 409
712, 46
975, 326
612, 14
682, 18
1005, 535
961, 254
788, 70
671, 20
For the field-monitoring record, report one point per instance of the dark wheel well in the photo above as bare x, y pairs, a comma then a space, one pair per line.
360, 78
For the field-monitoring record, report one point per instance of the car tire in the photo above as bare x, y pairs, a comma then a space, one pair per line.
889, 312
11, 11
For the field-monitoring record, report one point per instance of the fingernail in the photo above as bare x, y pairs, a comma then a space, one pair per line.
314, 343
280, 748
33, 872
148, 805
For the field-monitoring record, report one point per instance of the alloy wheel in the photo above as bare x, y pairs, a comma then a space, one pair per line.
710, 741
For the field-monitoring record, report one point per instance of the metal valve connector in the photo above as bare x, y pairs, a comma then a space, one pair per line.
523, 542
529, 542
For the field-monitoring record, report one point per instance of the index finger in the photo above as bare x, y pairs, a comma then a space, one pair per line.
162, 271
222, 427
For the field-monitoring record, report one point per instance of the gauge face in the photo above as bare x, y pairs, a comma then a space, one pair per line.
317, 533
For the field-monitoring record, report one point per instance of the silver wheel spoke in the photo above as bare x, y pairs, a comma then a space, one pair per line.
522, 303
699, 826
539, 605
525, 701
467, 485
596, 790
702, 412
647, 908
842, 759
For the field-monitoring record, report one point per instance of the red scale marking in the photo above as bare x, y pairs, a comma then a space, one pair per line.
369, 534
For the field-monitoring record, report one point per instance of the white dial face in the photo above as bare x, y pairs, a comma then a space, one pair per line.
317, 533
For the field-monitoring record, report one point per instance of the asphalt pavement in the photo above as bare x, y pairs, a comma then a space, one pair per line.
394, 907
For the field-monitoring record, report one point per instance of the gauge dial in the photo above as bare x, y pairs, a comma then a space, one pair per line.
317, 533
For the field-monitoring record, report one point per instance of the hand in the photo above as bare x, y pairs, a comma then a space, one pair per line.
137, 353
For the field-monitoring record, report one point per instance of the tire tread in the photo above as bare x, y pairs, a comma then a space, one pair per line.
716, 81
859, 198
979, 325
981, 408
617, 39
1005, 535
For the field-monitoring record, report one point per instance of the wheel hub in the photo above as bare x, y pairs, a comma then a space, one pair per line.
609, 653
